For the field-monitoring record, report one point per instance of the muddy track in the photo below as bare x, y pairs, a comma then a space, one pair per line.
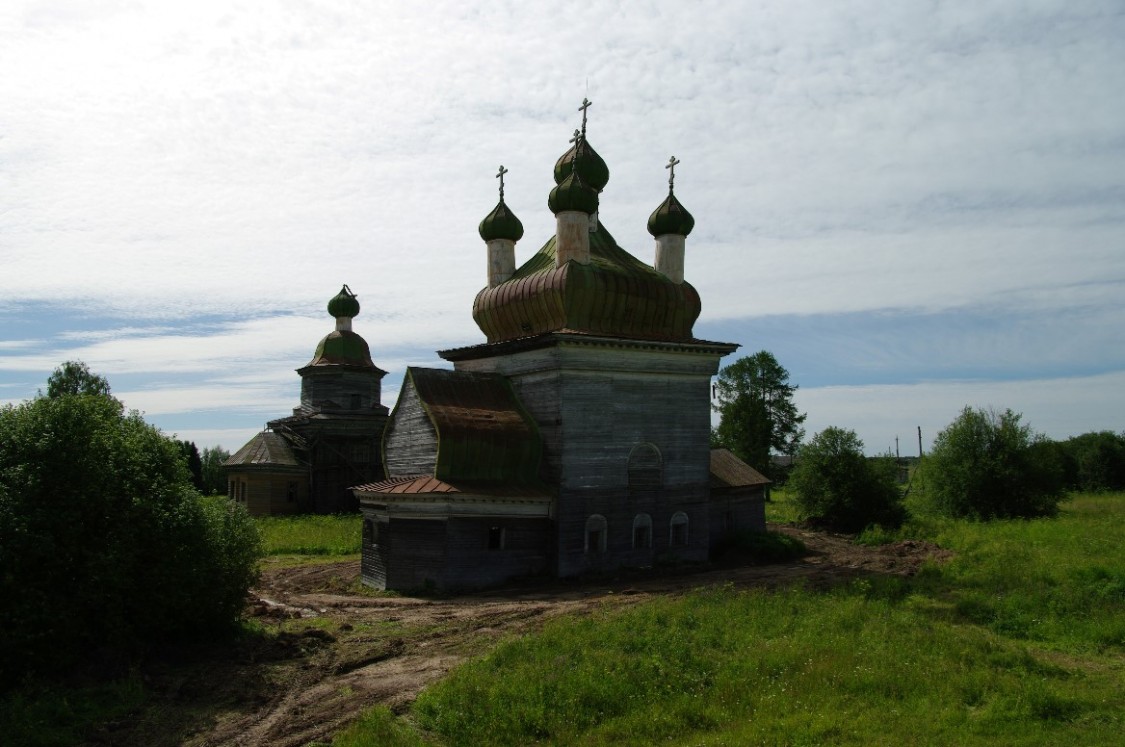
346, 651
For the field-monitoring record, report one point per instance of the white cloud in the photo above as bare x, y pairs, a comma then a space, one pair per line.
164, 162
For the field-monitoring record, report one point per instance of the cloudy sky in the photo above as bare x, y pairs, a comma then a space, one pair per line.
916, 206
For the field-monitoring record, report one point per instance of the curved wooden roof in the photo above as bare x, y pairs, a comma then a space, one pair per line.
483, 433
615, 295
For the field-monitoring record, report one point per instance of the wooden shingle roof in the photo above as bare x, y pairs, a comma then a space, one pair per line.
484, 434
266, 449
728, 471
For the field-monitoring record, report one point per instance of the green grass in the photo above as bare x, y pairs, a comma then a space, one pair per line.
311, 535
48, 715
1018, 640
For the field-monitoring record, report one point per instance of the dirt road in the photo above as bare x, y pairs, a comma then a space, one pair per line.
339, 651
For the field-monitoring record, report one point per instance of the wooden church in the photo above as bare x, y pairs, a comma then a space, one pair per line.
576, 438
308, 461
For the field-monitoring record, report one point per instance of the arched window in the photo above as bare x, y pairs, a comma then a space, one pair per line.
596, 534
496, 538
646, 472
678, 529
642, 532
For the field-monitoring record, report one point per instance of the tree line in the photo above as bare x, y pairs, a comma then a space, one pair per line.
985, 464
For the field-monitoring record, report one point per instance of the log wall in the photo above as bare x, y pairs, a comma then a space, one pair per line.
410, 443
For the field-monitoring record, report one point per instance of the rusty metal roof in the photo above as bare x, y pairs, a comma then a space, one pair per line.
615, 294
484, 434
408, 484
426, 484
728, 471
266, 449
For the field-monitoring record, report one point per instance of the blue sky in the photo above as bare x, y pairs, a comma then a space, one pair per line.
916, 206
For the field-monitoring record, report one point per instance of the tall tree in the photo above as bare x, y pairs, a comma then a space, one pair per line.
214, 480
755, 403
75, 377
193, 461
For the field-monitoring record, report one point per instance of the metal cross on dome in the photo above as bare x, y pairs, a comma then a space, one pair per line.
672, 163
577, 136
586, 104
500, 176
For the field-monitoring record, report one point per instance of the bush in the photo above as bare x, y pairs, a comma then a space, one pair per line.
836, 486
987, 465
104, 546
1094, 461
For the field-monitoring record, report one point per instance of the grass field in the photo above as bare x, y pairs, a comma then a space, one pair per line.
311, 535
1018, 640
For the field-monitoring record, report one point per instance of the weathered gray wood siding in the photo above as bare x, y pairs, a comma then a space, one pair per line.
410, 442
737, 511
451, 553
471, 564
373, 558
594, 404
267, 493
334, 388
415, 551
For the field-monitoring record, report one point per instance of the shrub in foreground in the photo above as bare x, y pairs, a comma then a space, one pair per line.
104, 546
836, 486
988, 465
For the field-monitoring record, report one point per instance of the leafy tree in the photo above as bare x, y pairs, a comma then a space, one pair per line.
104, 546
755, 402
214, 478
75, 377
987, 465
194, 462
1095, 461
836, 486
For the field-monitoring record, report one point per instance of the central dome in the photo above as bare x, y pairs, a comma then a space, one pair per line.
615, 295
585, 161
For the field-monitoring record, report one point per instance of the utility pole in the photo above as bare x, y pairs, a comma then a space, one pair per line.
897, 455
919, 442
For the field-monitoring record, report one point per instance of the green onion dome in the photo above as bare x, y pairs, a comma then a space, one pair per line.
585, 160
501, 223
344, 304
572, 194
670, 217
342, 348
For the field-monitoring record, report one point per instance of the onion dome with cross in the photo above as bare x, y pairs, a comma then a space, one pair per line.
581, 281
501, 223
582, 159
671, 217
342, 346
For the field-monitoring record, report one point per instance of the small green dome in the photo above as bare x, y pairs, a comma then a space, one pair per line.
501, 223
572, 194
342, 347
590, 166
344, 303
670, 217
